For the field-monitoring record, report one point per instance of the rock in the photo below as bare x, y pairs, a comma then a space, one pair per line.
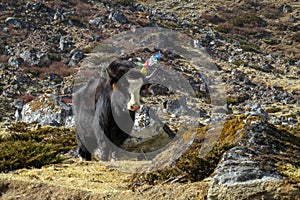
118, 17
47, 109
63, 43
13, 21
257, 110
42, 59
18, 104
155, 89
34, 6
285, 8
15, 61
247, 155
254, 162
149, 133
26, 56
76, 56
96, 21
293, 19
173, 106
58, 15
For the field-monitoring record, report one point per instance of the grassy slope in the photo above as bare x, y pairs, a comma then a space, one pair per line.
90, 180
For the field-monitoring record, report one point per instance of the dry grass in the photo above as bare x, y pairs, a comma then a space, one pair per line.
89, 180
88, 176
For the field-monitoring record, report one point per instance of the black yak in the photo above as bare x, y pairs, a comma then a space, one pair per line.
105, 108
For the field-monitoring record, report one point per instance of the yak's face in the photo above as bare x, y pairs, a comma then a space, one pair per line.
127, 90
134, 87
125, 99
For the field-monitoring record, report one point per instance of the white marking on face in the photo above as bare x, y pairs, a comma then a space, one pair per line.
134, 91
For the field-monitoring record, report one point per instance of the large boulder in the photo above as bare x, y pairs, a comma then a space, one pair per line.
256, 164
249, 159
48, 109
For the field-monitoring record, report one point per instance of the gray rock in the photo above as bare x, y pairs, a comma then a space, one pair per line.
149, 132
58, 15
13, 21
34, 58
17, 115
173, 106
26, 56
48, 109
293, 19
238, 167
63, 43
285, 8
253, 162
76, 56
15, 61
118, 17
34, 6
96, 21
18, 104
257, 110
43, 58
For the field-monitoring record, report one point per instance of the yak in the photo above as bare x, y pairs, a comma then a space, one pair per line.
104, 110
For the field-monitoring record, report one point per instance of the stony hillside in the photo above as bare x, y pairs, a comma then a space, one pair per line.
256, 48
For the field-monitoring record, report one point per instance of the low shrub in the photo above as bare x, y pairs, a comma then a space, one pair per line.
22, 147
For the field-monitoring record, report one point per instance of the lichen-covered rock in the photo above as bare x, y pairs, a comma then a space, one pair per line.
48, 109
255, 160
249, 152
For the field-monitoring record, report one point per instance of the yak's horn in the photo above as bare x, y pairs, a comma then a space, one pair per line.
150, 75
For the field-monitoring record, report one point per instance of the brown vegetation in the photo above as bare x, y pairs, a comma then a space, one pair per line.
58, 68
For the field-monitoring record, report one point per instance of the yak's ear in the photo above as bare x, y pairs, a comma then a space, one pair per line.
112, 78
114, 86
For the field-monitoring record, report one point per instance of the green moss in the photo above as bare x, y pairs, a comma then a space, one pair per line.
281, 27
273, 109
250, 47
230, 129
290, 171
295, 130
191, 167
90, 48
18, 127
235, 99
54, 57
257, 67
222, 29
271, 41
232, 100
240, 62
296, 37
22, 147
247, 19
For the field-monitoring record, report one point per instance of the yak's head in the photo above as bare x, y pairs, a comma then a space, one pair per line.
126, 81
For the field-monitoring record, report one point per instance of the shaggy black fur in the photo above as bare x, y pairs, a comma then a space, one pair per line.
97, 107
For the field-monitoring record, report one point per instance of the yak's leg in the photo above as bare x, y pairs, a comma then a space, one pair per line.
83, 152
102, 152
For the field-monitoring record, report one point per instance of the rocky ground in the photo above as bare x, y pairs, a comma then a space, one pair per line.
256, 48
